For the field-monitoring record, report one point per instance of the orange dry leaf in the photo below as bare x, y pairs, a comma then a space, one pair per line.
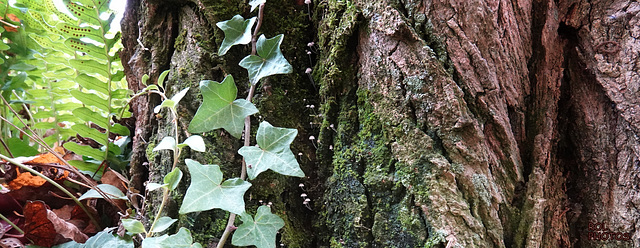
13, 17
47, 158
25, 179
10, 29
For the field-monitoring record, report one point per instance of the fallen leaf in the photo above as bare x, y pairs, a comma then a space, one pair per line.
111, 177
10, 29
11, 242
38, 228
66, 229
64, 212
47, 158
25, 179
13, 17
43, 225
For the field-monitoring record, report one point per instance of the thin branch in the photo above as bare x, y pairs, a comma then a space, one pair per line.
6, 147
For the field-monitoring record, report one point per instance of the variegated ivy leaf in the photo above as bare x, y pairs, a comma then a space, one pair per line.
207, 191
167, 143
236, 31
220, 109
273, 152
269, 62
259, 231
173, 102
255, 3
195, 142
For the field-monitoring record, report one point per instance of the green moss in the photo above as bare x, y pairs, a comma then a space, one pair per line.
149, 151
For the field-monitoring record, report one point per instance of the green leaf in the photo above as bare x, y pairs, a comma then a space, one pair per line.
92, 83
161, 78
133, 226
167, 143
269, 62
91, 133
101, 239
172, 179
86, 114
86, 48
255, 3
208, 192
110, 190
86, 167
120, 129
236, 31
219, 110
91, 99
21, 66
182, 239
145, 77
259, 231
195, 142
273, 152
173, 102
162, 224
89, 66
85, 150
168, 103
21, 148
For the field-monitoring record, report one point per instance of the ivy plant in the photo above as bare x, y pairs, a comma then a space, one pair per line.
221, 109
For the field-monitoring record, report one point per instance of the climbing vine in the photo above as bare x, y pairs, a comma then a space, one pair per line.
221, 109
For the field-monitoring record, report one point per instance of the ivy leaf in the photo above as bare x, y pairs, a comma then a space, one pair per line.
172, 179
162, 224
260, 231
207, 191
273, 152
255, 3
101, 239
154, 186
182, 239
110, 190
270, 62
219, 110
236, 31
133, 226
195, 142
173, 102
167, 143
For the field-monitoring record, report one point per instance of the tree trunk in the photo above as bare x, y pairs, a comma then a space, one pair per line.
438, 123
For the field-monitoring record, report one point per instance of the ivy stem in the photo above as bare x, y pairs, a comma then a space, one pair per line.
54, 183
176, 155
247, 128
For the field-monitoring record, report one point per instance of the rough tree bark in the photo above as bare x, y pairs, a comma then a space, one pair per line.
438, 123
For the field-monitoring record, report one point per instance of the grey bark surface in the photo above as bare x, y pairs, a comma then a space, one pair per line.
438, 123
